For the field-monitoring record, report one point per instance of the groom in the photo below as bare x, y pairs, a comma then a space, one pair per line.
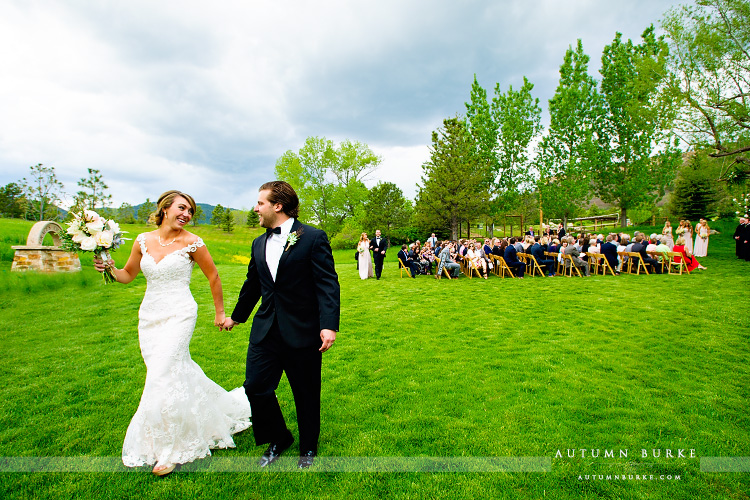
292, 270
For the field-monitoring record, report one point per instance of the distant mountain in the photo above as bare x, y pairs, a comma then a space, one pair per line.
205, 219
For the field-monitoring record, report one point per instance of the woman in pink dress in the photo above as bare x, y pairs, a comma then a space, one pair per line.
702, 232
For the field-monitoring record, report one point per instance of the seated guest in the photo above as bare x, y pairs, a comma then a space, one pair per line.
511, 258
639, 248
651, 246
518, 245
404, 255
690, 261
496, 250
487, 247
575, 255
537, 251
475, 256
594, 246
609, 250
428, 256
528, 241
662, 248
554, 247
447, 261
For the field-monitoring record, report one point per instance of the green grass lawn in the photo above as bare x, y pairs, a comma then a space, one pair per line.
421, 368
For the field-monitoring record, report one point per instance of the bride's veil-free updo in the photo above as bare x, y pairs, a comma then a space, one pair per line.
165, 201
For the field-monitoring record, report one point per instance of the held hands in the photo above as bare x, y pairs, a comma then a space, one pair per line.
219, 320
228, 324
328, 337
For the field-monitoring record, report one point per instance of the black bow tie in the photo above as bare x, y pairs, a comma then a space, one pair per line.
276, 230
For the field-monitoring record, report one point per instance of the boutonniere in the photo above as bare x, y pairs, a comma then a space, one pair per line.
293, 238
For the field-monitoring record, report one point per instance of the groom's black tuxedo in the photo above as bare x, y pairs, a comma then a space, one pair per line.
304, 299
285, 336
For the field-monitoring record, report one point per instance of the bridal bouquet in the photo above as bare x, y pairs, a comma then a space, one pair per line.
89, 232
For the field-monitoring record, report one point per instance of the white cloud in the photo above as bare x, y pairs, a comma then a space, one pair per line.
205, 97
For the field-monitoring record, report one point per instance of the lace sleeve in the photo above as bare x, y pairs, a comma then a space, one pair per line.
195, 245
141, 239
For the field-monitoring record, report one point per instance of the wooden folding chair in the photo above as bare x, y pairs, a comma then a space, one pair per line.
534, 266
503, 268
594, 262
626, 262
445, 270
635, 258
558, 262
471, 268
676, 259
402, 268
663, 262
569, 269
604, 266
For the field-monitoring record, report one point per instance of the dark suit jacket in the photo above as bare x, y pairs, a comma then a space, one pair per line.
609, 250
511, 256
404, 257
538, 252
376, 249
304, 299
560, 233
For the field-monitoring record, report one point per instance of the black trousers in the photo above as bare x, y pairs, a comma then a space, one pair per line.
378, 265
265, 363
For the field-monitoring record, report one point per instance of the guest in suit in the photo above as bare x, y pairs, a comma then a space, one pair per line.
537, 251
575, 254
406, 257
378, 245
560, 232
640, 248
446, 260
292, 270
609, 250
511, 258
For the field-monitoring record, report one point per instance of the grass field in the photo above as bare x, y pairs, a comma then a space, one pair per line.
421, 368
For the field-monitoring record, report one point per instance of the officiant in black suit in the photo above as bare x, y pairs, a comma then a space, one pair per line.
292, 270
378, 245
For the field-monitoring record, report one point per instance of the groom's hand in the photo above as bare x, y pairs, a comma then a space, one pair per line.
229, 324
328, 337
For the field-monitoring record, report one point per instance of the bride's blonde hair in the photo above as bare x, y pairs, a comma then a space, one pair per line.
165, 201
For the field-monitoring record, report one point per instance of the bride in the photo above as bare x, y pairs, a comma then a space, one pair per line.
182, 413
364, 258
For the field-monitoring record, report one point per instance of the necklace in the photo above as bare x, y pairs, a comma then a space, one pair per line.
166, 244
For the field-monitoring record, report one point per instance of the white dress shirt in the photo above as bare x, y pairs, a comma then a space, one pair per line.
275, 245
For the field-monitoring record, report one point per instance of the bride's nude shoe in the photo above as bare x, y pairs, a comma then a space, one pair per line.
163, 470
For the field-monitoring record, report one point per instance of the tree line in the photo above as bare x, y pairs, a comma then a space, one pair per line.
618, 138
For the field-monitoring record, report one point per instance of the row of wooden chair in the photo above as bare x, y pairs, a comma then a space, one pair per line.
598, 264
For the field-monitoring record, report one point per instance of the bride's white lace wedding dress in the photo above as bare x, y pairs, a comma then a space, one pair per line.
182, 413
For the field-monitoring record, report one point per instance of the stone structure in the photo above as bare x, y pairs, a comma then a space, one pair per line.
35, 256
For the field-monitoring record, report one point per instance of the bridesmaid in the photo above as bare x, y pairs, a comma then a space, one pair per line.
688, 235
702, 232
667, 231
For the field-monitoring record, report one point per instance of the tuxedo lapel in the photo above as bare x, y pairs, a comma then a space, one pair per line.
263, 267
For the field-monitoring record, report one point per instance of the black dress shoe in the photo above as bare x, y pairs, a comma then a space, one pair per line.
273, 452
306, 459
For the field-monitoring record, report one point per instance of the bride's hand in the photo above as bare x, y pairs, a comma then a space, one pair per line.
100, 266
219, 320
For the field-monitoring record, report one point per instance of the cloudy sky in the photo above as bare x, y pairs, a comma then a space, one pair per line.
205, 96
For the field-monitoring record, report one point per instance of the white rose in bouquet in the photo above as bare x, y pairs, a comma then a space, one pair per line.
88, 244
104, 239
95, 226
90, 216
113, 226
78, 237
